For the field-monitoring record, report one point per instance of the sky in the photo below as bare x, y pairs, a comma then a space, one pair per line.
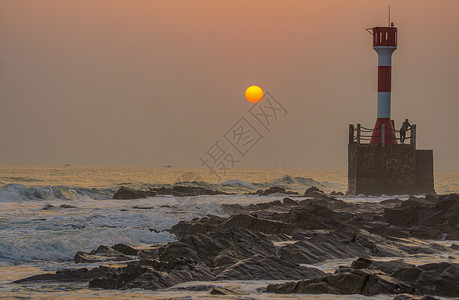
149, 83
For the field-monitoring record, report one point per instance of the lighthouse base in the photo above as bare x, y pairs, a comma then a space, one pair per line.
389, 132
393, 169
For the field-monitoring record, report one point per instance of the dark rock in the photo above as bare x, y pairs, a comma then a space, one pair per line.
429, 217
125, 249
198, 225
69, 275
333, 193
315, 216
103, 253
366, 282
225, 258
434, 279
183, 191
257, 224
67, 206
447, 201
142, 207
274, 190
103, 283
411, 297
288, 201
259, 267
207, 247
391, 202
182, 270
349, 243
315, 192
388, 267
361, 263
335, 245
223, 291
125, 193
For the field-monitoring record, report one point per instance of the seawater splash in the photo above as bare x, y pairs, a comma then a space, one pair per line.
19, 192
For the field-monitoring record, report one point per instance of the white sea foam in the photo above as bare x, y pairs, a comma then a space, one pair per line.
19, 192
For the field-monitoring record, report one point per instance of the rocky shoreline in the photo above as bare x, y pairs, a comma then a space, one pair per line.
284, 240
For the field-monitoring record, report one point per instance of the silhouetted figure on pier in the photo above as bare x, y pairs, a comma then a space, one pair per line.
405, 127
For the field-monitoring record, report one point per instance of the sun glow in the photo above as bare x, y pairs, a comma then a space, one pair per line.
253, 94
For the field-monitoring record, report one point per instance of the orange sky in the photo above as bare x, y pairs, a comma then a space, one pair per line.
147, 83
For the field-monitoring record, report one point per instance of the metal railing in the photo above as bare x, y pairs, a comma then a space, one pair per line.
362, 135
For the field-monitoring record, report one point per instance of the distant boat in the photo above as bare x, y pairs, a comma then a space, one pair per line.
167, 166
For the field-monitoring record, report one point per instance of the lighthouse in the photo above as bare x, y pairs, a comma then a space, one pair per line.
384, 43
377, 164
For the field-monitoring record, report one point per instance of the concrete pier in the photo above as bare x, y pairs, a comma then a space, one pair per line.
390, 169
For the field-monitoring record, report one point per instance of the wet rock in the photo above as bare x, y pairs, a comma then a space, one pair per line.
259, 267
412, 297
209, 223
48, 206
288, 201
315, 192
125, 249
434, 279
223, 291
388, 267
68, 275
125, 193
391, 202
103, 253
258, 224
314, 216
142, 207
103, 283
427, 217
366, 282
182, 191
182, 270
349, 243
335, 245
207, 247
274, 190
240, 247
334, 193
225, 258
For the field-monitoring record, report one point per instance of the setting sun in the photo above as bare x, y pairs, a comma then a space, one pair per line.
253, 94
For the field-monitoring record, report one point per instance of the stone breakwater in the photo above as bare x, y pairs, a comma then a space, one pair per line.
280, 240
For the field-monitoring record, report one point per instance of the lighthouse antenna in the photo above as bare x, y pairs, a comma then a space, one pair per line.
389, 15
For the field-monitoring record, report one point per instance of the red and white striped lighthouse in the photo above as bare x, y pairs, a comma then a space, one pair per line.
384, 43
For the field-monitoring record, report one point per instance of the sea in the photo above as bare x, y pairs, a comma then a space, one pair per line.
47, 214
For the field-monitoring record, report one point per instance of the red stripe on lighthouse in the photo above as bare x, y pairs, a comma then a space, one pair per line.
384, 79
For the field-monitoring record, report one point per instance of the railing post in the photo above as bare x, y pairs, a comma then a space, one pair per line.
351, 133
358, 134
413, 136
383, 134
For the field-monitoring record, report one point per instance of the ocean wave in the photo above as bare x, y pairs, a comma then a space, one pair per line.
62, 245
238, 183
15, 192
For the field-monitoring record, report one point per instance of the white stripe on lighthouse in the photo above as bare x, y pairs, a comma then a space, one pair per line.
384, 54
384, 105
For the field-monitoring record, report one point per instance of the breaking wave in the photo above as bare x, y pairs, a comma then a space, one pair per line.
15, 192
19, 192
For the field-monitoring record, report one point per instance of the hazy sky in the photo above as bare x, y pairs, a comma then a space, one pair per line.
147, 83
